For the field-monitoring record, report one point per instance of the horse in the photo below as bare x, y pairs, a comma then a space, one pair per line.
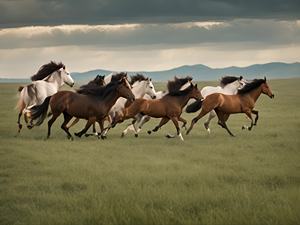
168, 108
93, 107
101, 80
224, 105
172, 86
46, 82
229, 85
141, 86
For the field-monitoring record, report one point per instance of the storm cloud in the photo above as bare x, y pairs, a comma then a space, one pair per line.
55, 12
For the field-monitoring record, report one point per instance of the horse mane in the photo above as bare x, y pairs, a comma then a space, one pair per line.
93, 83
175, 85
118, 76
98, 91
181, 92
227, 80
251, 86
137, 77
46, 69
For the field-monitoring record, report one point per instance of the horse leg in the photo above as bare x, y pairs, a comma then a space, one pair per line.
19, 122
67, 118
248, 113
87, 126
163, 121
203, 112
211, 115
101, 125
175, 122
73, 123
183, 121
255, 112
222, 118
50, 122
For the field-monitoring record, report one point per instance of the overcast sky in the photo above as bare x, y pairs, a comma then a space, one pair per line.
146, 35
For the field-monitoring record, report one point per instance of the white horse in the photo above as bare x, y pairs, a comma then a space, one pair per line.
140, 120
46, 82
229, 85
140, 87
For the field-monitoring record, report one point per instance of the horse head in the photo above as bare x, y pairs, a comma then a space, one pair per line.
266, 89
124, 90
66, 77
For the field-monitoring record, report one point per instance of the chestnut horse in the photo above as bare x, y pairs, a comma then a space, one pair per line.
224, 105
93, 107
168, 107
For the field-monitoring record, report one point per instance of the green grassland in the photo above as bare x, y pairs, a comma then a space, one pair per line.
253, 178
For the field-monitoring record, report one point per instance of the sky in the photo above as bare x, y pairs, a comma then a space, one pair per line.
138, 35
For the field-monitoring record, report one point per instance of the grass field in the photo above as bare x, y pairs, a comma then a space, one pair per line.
253, 178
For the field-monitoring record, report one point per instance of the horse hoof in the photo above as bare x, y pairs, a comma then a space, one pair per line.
169, 136
29, 127
77, 134
149, 131
136, 135
243, 127
70, 138
122, 135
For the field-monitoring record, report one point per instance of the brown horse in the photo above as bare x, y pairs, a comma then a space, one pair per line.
224, 105
98, 81
168, 107
93, 107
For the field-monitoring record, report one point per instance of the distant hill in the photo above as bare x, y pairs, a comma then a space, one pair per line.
202, 72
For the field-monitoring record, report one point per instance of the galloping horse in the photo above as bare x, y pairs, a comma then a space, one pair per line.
229, 85
224, 105
98, 82
178, 84
141, 86
93, 107
168, 107
46, 82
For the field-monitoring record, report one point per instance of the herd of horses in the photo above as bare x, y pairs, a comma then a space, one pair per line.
113, 98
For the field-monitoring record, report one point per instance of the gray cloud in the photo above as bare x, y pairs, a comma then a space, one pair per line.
43, 12
256, 33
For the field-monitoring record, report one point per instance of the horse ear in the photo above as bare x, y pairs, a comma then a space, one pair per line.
241, 77
195, 85
150, 79
265, 78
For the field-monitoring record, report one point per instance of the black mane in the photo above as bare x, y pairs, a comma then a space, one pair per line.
175, 85
181, 93
228, 79
46, 70
99, 91
118, 76
251, 86
137, 77
97, 82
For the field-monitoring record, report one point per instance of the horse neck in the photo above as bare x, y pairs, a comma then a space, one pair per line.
111, 99
55, 79
139, 90
183, 100
254, 94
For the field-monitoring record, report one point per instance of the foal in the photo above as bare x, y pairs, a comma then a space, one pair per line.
224, 105
93, 107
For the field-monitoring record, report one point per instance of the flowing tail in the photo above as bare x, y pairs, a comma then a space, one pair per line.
39, 112
194, 107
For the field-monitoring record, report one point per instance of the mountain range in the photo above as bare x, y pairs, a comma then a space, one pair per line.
201, 72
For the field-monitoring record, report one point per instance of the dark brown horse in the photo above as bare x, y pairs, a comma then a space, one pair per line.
168, 107
224, 105
93, 107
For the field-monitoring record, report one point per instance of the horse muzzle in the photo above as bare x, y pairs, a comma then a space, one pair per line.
272, 96
72, 84
153, 97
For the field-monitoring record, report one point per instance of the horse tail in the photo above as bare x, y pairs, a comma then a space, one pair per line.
194, 107
39, 112
20, 88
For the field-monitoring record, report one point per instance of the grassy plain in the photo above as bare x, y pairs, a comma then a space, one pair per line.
253, 178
